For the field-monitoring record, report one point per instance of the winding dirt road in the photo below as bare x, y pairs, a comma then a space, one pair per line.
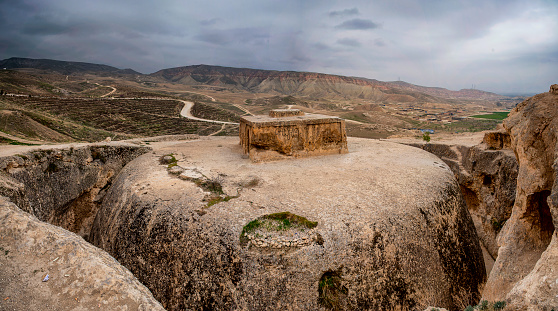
109, 93
187, 113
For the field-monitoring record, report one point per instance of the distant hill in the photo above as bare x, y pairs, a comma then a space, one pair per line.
445, 93
63, 67
308, 84
313, 84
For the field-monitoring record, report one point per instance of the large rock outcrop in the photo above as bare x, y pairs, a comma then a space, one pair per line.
64, 186
80, 276
487, 174
525, 271
383, 227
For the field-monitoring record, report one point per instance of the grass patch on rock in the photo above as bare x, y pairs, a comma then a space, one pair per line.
332, 294
276, 222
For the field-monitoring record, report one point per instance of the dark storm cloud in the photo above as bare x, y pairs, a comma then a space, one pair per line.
434, 43
358, 24
344, 13
349, 42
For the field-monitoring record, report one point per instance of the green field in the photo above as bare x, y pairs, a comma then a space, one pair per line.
493, 116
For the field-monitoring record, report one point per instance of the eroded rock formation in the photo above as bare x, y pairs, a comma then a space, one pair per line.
365, 230
80, 276
64, 186
487, 175
525, 271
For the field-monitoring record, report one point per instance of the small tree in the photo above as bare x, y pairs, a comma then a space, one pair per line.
426, 136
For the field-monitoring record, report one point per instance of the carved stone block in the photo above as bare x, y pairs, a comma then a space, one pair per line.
291, 133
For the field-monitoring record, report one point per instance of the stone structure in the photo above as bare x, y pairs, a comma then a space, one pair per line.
554, 89
290, 132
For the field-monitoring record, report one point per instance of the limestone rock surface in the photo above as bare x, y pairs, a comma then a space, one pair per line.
80, 276
387, 228
525, 270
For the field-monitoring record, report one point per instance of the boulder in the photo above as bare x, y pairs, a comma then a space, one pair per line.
382, 227
524, 270
80, 276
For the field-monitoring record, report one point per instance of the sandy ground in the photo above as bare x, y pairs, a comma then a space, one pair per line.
465, 139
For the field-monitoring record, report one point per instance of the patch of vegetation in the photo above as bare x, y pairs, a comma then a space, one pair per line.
426, 137
484, 305
218, 199
251, 226
213, 111
289, 219
276, 222
47, 87
213, 186
331, 291
493, 116
356, 116
169, 160
95, 119
7, 141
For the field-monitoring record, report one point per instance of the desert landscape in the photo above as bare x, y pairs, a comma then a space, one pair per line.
121, 190
279, 155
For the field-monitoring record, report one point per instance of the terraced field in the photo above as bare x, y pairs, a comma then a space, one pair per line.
142, 117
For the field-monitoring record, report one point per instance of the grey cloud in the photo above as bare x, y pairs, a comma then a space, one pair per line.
349, 42
209, 22
321, 46
343, 13
379, 42
228, 36
358, 24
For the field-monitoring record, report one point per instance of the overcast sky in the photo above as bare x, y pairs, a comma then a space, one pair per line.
500, 46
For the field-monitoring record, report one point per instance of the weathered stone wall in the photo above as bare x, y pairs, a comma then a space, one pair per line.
265, 138
64, 186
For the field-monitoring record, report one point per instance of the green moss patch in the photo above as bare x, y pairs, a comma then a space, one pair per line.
276, 222
332, 294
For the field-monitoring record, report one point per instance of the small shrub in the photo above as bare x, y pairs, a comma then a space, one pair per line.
426, 137
499, 305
